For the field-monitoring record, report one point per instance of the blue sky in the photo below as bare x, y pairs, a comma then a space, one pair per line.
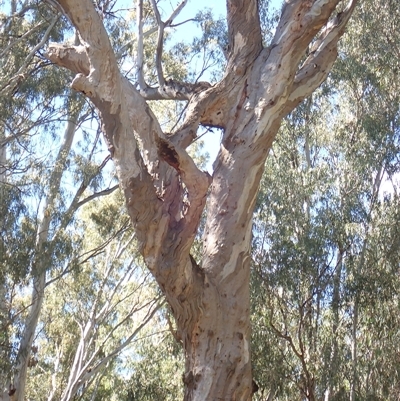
190, 30
218, 7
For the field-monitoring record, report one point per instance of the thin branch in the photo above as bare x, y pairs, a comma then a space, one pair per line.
90, 372
97, 195
88, 255
160, 40
75, 204
175, 13
184, 22
18, 76
140, 52
286, 337
21, 38
167, 24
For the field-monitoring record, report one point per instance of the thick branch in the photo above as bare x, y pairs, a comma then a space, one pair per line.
75, 59
320, 61
244, 32
275, 84
299, 23
273, 74
301, 20
212, 107
207, 107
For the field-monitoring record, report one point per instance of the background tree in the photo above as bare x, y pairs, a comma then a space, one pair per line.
100, 301
37, 211
328, 204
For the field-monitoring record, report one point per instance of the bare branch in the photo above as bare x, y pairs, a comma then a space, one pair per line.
71, 57
139, 57
167, 23
160, 40
175, 13
97, 195
75, 59
87, 372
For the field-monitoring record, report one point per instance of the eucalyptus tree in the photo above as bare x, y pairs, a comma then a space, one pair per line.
320, 325
375, 125
36, 209
23, 31
105, 301
329, 204
166, 193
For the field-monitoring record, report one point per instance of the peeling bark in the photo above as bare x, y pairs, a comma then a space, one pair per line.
166, 193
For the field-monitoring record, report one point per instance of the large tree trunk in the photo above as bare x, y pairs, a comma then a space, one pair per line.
218, 364
218, 355
165, 191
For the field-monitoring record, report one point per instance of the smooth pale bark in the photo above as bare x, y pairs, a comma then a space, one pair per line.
4, 310
166, 193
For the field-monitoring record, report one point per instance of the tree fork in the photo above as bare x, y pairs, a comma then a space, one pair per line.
166, 193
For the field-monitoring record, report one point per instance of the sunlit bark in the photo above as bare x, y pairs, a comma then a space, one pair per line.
166, 193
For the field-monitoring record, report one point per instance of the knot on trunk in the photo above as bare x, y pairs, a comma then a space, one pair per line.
168, 153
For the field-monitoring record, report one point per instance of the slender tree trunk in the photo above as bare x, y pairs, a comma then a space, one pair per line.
4, 310
3, 160
376, 185
354, 361
40, 264
333, 362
